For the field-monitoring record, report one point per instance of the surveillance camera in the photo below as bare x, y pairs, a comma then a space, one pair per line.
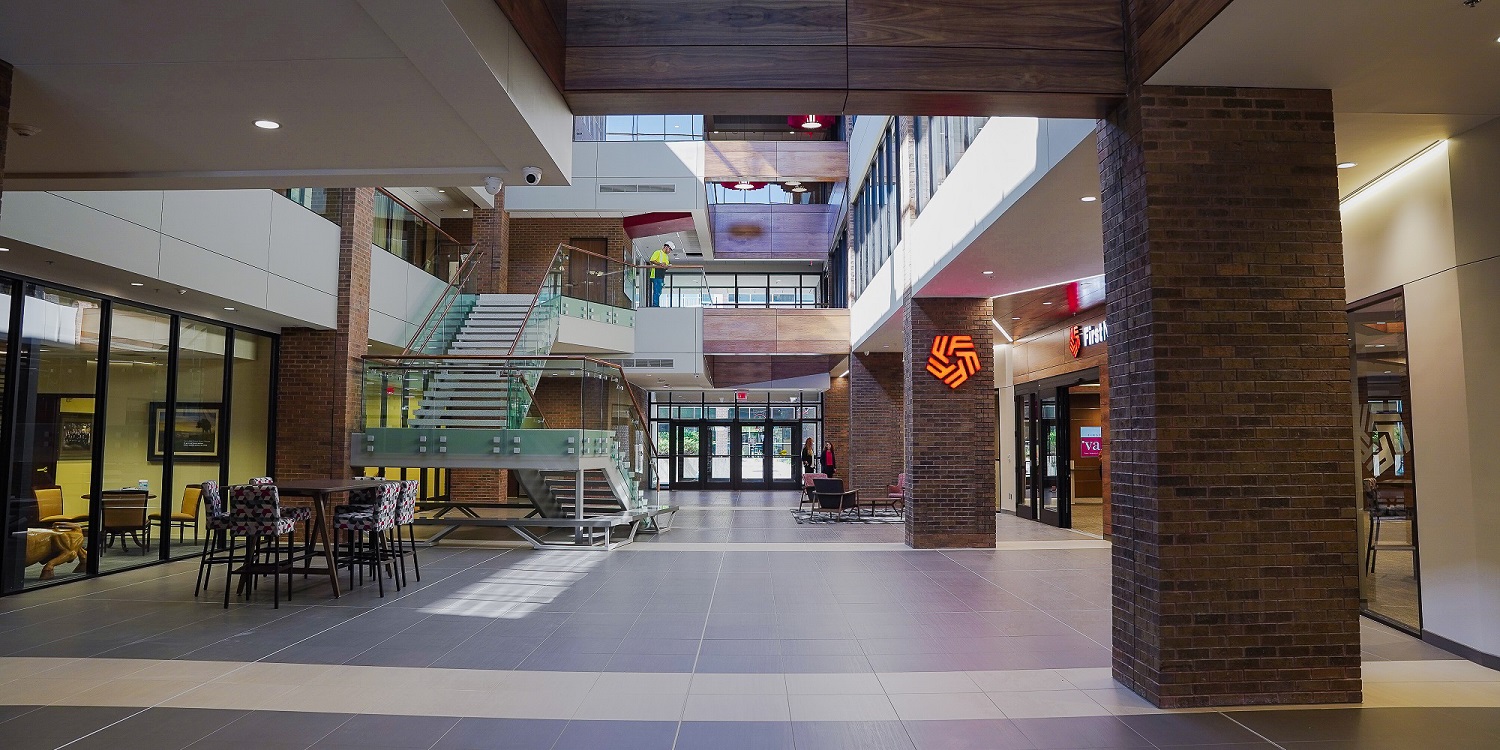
492, 185
533, 175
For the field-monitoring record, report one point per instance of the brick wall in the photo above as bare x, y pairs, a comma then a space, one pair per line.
318, 385
1235, 573
533, 242
836, 428
491, 235
876, 400
950, 444
477, 485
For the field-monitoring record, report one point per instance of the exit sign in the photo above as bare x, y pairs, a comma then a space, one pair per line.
741, 395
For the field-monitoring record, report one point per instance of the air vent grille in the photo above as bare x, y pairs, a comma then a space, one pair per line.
647, 363
637, 188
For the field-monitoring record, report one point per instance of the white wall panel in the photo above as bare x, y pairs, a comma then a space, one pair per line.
1399, 229
141, 207
388, 329
56, 223
199, 270
232, 223
301, 302
304, 246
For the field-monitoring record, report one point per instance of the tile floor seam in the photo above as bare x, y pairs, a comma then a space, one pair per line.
1263, 738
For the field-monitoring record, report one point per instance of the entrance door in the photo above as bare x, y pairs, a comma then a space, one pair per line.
719, 457
1052, 425
1026, 467
751, 458
786, 455
687, 456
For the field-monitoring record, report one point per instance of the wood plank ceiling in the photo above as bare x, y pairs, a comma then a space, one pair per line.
971, 57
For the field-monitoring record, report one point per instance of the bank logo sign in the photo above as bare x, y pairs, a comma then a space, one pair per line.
1081, 336
953, 359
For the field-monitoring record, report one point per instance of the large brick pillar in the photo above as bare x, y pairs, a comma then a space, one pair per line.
836, 424
1231, 440
492, 236
876, 402
950, 431
318, 385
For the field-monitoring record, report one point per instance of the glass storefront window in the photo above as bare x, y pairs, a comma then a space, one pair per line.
198, 426
53, 432
134, 451
249, 404
1389, 587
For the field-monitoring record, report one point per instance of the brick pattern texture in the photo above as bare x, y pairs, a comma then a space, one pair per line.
318, 386
1235, 560
6, 73
950, 445
836, 430
533, 243
877, 398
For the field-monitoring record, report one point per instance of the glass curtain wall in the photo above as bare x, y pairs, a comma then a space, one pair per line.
1390, 587
104, 462
778, 290
940, 143
713, 440
877, 211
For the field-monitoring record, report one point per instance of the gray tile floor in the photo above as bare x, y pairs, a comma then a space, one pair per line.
732, 612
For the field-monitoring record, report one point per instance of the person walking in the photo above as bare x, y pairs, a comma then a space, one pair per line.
661, 260
807, 456
829, 463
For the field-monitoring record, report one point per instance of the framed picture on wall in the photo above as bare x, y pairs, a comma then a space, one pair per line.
194, 434
75, 435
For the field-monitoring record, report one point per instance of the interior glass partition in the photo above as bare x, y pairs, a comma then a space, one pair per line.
1390, 584
113, 412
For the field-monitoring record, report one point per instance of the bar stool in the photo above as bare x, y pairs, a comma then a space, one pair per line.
216, 549
367, 528
406, 515
255, 513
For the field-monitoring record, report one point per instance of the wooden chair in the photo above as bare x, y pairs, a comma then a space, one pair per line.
186, 516
833, 498
1383, 504
49, 503
125, 513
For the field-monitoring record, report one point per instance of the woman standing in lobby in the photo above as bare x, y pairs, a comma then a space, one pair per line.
807, 456
829, 462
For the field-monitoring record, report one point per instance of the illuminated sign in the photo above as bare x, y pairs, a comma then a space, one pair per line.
1090, 442
953, 359
1081, 336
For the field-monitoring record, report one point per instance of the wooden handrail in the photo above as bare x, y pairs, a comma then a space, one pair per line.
460, 276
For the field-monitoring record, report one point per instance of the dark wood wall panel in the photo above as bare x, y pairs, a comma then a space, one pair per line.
1166, 26
820, 161
627, 23
1016, 24
705, 67
972, 103
971, 69
723, 101
536, 23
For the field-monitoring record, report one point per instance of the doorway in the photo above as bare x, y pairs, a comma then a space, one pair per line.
1059, 436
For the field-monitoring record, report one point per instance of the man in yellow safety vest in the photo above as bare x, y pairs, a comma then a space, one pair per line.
661, 260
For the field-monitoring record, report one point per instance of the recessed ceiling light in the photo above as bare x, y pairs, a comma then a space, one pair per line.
440, 190
466, 210
4, 249
1015, 317
229, 309
1088, 199
267, 124
989, 273
1348, 164
1046, 303
136, 283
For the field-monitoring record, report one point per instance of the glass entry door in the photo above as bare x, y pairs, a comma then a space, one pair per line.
752, 456
1052, 479
687, 456
1026, 492
719, 456
767, 456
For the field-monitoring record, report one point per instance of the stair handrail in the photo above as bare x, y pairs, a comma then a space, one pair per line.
640, 413
446, 300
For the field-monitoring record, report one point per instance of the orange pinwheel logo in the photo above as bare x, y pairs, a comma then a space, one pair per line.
953, 359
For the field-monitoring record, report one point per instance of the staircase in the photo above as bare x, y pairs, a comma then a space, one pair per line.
457, 397
467, 383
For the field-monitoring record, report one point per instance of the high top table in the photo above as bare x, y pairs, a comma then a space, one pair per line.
320, 490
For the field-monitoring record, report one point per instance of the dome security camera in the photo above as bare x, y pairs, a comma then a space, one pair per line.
532, 175
492, 185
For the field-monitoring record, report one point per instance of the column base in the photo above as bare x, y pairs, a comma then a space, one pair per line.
952, 541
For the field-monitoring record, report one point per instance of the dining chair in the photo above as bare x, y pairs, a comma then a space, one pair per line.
807, 491
367, 528
255, 513
49, 505
186, 515
216, 549
124, 514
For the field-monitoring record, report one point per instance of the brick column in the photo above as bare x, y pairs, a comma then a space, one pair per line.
492, 235
876, 402
1231, 440
6, 73
318, 386
836, 425
950, 432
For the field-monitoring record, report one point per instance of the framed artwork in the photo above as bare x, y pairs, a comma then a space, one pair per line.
194, 433
75, 435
